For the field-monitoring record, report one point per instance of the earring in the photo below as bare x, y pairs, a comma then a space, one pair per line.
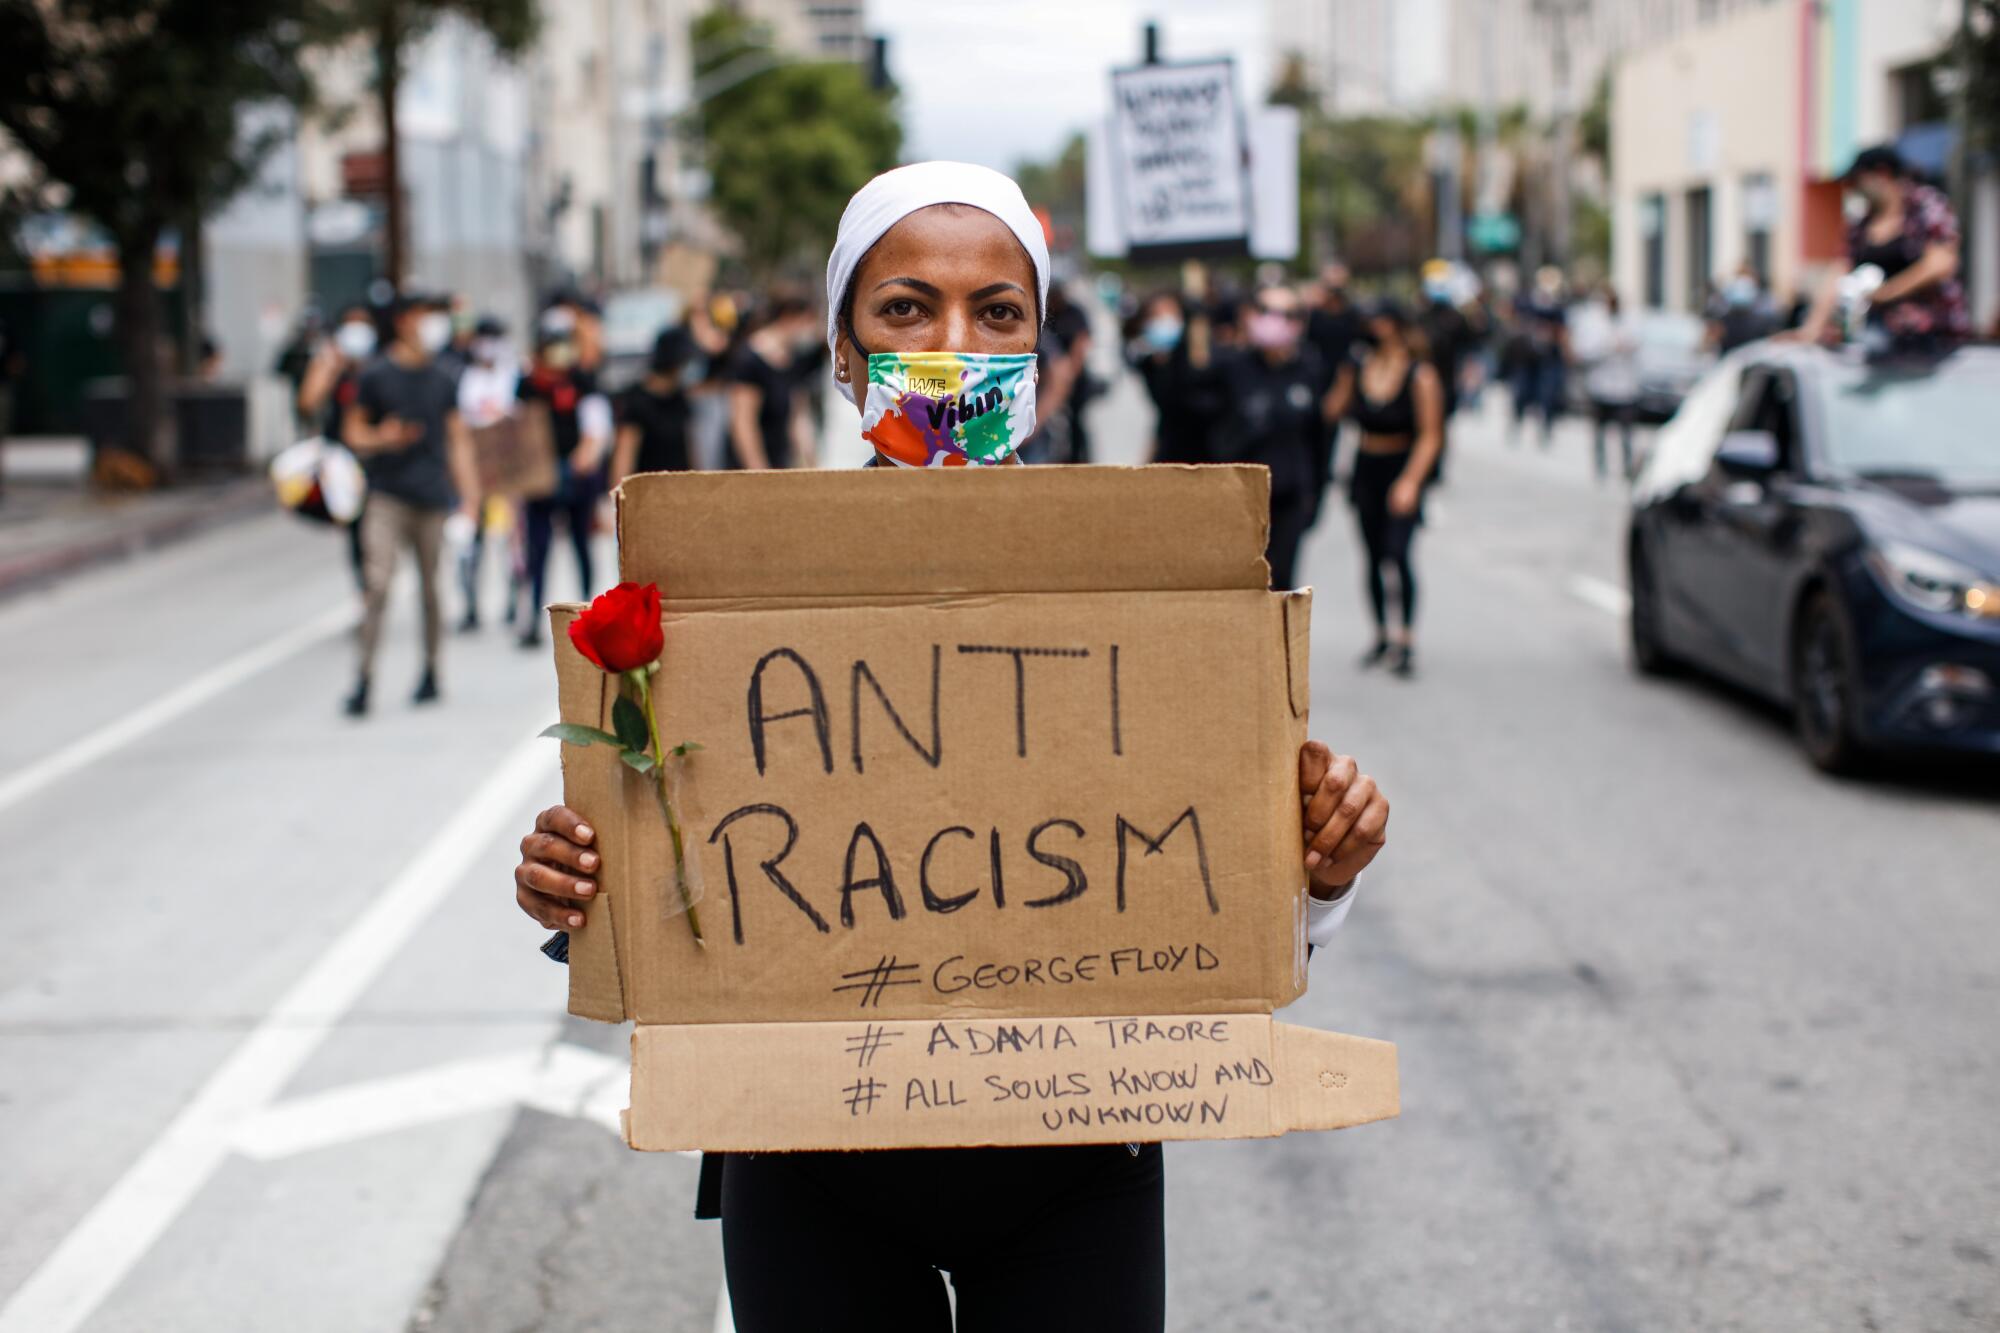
840, 371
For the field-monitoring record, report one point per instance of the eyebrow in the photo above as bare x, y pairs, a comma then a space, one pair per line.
917, 283
991, 289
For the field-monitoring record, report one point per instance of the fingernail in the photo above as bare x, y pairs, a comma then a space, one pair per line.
1312, 859
575, 919
583, 833
589, 860
585, 888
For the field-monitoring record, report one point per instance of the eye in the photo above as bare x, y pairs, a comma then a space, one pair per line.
901, 308
1004, 311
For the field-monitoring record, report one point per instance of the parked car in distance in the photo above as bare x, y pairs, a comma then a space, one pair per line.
1824, 530
1672, 357
1672, 353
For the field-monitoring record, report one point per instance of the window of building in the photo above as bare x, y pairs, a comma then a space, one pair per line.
1653, 229
1700, 247
1760, 219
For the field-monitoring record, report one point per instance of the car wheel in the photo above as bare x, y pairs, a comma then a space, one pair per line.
1649, 655
1824, 693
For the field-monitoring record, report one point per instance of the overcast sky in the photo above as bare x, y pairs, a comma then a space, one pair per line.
997, 81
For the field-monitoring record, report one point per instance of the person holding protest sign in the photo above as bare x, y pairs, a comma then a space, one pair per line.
939, 270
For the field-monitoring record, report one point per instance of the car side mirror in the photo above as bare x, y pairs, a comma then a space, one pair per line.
1748, 453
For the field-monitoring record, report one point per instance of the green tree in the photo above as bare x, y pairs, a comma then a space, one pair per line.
132, 108
787, 144
1057, 184
392, 27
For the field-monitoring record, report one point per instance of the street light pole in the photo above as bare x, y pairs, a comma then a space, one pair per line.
1557, 14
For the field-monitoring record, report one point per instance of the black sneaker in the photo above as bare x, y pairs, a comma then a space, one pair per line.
356, 704
427, 688
1405, 664
1373, 657
469, 625
531, 639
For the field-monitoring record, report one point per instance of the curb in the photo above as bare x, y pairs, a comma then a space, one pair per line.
239, 501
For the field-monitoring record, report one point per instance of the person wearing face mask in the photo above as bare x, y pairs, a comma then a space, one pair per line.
768, 425
1739, 313
940, 268
1542, 320
489, 392
1272, 390
1449, 337
1398, 405
405, 426
1157, 350
1908, 232
580, 421
332, 379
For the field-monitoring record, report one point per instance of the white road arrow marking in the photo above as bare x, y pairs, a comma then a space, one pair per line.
561, 1080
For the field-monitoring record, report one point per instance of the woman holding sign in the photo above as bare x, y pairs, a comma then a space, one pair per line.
940, 269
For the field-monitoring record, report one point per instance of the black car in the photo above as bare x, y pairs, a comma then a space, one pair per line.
1824, 529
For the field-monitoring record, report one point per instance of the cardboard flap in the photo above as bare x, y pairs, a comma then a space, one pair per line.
1328, 1080
591, 781
770, 1087
1298, 650
936, 532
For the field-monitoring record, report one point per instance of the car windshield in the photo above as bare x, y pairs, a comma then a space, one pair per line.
1933, 420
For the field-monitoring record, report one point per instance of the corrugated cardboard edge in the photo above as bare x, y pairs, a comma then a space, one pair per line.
1298, 649
708, 1086
802, 534
590, 775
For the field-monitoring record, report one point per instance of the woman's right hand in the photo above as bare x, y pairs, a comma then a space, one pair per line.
557, 874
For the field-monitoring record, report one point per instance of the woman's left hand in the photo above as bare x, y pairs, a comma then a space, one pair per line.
1403, 496
1346, 818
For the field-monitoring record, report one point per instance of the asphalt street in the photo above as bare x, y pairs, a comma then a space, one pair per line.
1692, 1037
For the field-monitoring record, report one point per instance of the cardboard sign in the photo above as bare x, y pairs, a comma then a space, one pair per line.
516, 455
1178, 159
997, 812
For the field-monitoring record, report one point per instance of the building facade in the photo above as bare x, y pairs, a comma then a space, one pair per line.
1728, 142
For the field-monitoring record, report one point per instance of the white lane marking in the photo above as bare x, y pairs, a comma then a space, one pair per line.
175, 703
725, 1314
116, 1233
563, 1080
1606, 597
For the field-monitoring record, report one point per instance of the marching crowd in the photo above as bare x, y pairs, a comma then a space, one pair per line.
1275, 374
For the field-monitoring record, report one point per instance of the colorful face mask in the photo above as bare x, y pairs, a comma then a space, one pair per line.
948, 409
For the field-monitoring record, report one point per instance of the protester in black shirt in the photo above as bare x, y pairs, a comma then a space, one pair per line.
1161, 350
766, 425
654, 417
1070, 323
1273, 390
580, 422
404, 424
1334, 327
1449, 336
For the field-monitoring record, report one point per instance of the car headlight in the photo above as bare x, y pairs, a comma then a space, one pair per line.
1932, 582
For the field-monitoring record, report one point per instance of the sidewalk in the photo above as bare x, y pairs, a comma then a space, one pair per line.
52, 523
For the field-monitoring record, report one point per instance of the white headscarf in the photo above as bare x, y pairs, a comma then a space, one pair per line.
894, 195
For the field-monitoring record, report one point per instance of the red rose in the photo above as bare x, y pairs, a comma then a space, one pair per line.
620, 631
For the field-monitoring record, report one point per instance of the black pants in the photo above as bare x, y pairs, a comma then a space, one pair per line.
1055, 1239
576, 505
1385, 537
1291, 518
1604, 414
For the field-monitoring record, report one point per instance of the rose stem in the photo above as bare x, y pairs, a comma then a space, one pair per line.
667, 805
